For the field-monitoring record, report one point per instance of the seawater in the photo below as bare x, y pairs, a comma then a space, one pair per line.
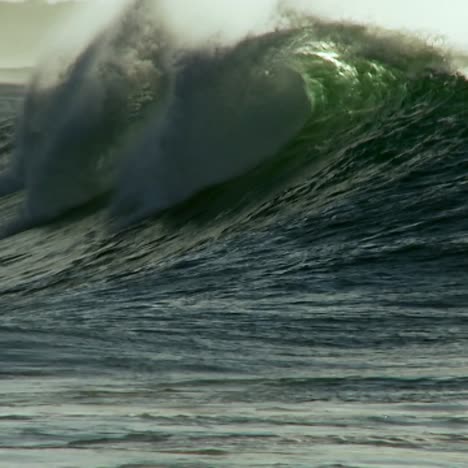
294, 300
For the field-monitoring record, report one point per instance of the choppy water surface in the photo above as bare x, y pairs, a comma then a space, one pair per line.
256, 258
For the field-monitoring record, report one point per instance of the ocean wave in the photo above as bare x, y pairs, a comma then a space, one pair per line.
289, 119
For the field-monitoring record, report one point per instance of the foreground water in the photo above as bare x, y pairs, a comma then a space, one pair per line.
313, 312
92, 379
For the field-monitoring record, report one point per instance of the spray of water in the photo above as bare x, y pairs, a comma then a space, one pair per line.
152, 111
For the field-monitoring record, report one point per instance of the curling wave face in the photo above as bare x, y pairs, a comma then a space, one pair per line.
319, 110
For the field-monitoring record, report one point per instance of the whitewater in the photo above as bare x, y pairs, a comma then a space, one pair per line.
236, 246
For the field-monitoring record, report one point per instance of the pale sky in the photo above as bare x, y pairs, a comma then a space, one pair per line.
445, 17
195, 18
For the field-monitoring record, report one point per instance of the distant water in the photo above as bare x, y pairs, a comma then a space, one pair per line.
253, 256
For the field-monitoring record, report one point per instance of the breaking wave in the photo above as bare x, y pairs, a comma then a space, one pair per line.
147, 124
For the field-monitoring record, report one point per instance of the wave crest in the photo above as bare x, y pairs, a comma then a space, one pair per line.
153, 124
